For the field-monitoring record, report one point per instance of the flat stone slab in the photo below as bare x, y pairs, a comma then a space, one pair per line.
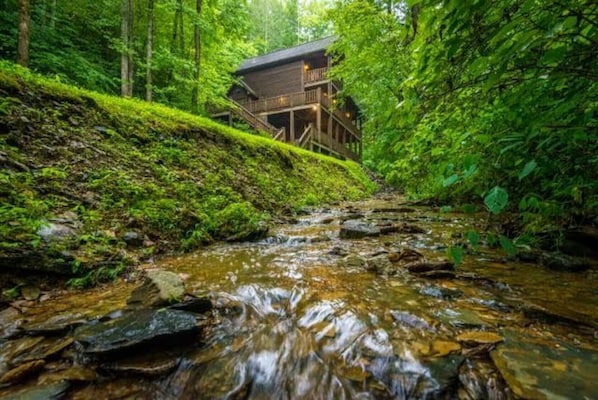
135, 330
357, 229
536, 369
159, 288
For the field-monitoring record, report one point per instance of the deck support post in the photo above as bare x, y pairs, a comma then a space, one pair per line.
292, 126
319, 116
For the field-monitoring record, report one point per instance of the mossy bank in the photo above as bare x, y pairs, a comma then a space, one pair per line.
90, 184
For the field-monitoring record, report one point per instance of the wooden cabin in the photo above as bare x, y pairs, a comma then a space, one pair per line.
288, 94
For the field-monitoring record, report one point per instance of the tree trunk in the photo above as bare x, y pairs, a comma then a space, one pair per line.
23, 41
178, 41
126, 60
53, 15
150, 43
181, 31
197, 38
130, 48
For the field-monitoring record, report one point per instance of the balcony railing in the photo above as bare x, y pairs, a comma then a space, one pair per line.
316, 75
281, 102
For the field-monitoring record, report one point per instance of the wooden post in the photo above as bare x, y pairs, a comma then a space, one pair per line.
292, 126
329, 129
360, 149
319, 116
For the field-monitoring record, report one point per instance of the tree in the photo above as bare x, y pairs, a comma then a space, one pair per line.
126, 63
197, 56
149, 50
24, 25
314, 20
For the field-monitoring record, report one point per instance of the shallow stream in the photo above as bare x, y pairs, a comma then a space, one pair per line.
293, 319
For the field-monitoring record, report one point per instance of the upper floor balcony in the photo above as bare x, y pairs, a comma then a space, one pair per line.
315, 76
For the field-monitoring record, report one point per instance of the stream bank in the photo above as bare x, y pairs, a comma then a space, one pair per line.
306, 313
91, 185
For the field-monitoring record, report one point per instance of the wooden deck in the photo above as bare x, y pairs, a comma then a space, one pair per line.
309, 98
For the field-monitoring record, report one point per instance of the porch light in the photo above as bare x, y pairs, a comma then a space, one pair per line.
348, 115
306, 66
314, 107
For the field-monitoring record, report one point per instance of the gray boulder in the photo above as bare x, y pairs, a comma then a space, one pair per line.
357, 229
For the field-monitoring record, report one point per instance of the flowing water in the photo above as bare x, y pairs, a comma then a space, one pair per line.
293, 321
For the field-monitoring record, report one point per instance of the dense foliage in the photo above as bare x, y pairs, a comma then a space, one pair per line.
80, 42
471, 100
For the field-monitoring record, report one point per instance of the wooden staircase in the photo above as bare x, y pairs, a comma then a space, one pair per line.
305, 140
240, 112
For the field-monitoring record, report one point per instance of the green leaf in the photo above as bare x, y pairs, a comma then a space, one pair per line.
474, 239
456, 254
470, 171
528, 169
450, 180
496, 200
507, 245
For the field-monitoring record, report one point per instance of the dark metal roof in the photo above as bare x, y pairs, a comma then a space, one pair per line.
286, 55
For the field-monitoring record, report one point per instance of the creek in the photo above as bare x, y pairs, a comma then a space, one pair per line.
305, 314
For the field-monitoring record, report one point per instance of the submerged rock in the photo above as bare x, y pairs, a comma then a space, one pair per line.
563, 262
534, 369
480, 380
357, 229
406, 255
474, 338
444, 372
22, 372
198, 305
353, 261
460, 318
52, 391
419, 267
440, 292
145, 365
54, 325
408, 320
136, 330
441, 274
442, 348
73, 374
381, 265
159, 288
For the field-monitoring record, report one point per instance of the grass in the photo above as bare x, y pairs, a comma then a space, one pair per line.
118, 165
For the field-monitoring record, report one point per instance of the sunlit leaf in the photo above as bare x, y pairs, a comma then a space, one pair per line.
450, 180
496, 200
528, 169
